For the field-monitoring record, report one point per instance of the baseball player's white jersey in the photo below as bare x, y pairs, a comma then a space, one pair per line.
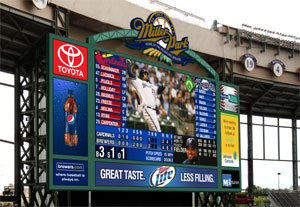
147, 93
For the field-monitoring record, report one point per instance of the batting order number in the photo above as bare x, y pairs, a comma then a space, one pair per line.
110, 152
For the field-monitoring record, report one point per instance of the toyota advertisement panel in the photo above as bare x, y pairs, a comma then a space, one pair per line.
117, 122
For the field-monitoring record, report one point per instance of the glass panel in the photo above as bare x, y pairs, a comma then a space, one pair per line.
298, 170
258, 142
271, 142
243, 118
266, 174
7, 113
271, 121
7, 78
298, 146
6, 164
244, 168
244, 141
286, 152
285, 122
298, 123
257, 119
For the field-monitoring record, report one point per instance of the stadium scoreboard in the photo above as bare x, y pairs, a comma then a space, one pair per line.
100, 139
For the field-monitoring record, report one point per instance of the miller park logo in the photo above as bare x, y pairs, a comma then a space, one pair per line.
157, 38
69, 60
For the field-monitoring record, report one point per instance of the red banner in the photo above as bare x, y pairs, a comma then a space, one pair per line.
69, 60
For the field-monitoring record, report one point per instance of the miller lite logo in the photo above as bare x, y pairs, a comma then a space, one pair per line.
69, 60
162, 176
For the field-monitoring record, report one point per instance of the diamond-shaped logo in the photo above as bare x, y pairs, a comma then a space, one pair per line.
189, 84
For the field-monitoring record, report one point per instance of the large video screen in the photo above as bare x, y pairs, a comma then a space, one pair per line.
146, 113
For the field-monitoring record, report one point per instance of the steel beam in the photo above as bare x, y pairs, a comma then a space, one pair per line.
227, 71
11, 52
10, 39
250, 154
6, 141
295, 152
24, 31
18, 185
35, 19
263, 95
61, 25
276, 84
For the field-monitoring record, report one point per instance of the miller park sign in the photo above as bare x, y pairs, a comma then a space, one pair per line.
157, 37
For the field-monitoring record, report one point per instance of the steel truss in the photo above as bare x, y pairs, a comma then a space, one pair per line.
30, 131
30, 122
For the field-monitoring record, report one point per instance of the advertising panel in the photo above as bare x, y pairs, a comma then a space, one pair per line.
115, 174
230, 140
229, 98
70, 172
231, 179
69, 118
69, 60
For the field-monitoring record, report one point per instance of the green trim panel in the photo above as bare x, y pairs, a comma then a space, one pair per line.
127, 33
116, 34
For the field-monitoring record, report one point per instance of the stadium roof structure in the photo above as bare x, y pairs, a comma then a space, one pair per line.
267, 98
20, 35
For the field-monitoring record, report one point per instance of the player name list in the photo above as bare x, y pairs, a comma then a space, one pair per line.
110, 94
205, 109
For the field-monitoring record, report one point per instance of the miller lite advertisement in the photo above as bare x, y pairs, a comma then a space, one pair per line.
69, 60
114, 174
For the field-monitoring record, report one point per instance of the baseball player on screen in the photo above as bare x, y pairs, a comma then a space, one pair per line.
192, 152
147, 93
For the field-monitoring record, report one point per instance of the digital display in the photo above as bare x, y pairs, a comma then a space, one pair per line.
117, 122
146, 113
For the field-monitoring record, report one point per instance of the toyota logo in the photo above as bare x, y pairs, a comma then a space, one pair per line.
70, 55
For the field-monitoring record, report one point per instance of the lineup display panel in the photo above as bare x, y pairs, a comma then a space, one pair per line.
112, 128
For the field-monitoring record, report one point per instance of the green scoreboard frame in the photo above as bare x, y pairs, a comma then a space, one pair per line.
86, 161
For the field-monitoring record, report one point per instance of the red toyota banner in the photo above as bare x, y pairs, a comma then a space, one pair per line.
69, 60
